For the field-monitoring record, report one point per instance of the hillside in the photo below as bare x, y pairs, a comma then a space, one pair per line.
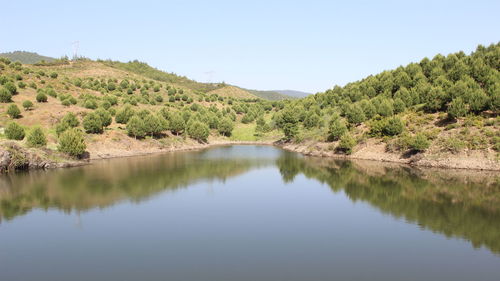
293, 93
437, 112
26, 57
114, 111
269, 95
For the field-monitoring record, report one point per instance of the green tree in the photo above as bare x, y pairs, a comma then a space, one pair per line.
124, 114
420, 142
399, 105
346, 144
36, 138
14, 131
135, 127
198, 131
311, 121
41, 97
92, 123
336, 129
28, 105
457, 108
177, 124
5, 95
105, 116
11, 87
290, 123
393, 126
225, 127
72, 142
13, 111
355, 114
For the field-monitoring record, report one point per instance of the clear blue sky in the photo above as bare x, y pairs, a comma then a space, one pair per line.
302, 45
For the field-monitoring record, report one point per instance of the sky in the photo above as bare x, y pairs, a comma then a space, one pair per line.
267, 45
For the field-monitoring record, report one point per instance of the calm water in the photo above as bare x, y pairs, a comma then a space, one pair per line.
248, 213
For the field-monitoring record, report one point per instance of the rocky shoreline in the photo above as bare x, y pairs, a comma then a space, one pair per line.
15, 157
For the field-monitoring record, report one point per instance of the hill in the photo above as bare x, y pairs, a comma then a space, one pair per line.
440, 112
26, 57
293, 93
269, 95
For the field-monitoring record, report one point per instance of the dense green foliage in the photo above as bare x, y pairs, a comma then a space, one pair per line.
14, 132
72, 142
13, 111
37, 138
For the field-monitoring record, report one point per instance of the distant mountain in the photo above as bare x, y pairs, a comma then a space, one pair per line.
26, 57
269, 95
292, 93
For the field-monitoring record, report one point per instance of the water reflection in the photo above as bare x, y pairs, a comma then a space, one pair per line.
452, 203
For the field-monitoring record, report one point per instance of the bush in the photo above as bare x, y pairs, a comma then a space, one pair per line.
11, 87
92, 123
53, 75
393, 126
198, 131
90, 104
337, 129
123, 115
14, 131
28, 105
135, 127
72, 142
420, 142
154, 124
177, 124
105, 116
13, 111
36, 138
226, 127
41, 97
21, 85
5, 95
346, 144
355, 115
311, 121
457, 108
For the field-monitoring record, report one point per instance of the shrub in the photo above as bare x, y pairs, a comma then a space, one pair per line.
337, 129
198, 131
457, 108
21, 85
92, 123
53, 75
124, 114
154, 124
13, 111
393, 126
36, 138
105, 116
355, 115
72, 142
420, 142
225, 127
311, 121
135, 127
41, 97
90, 104
346, 144
177, 124
11, 87
66, 102
28, 105
5, 95
14, 131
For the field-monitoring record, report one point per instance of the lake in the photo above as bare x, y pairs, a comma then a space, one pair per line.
248, 213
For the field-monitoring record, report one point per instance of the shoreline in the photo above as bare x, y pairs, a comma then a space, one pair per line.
312, 150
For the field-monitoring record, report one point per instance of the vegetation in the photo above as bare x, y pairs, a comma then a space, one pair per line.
14, 131
36, 138
72, 142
